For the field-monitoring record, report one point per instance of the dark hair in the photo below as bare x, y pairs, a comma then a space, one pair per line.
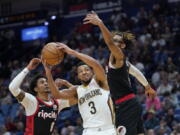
80, 64
33, 83
127, 37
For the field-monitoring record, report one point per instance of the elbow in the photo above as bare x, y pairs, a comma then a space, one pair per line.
11, 87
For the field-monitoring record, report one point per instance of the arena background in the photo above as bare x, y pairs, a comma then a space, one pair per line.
26, 26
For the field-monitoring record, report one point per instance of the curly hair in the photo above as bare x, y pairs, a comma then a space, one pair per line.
127, 37
33, 83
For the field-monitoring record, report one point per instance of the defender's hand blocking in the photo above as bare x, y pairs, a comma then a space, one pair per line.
92, 18
150, 93
65, 48
33, 63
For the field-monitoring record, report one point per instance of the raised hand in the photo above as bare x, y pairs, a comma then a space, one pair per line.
33, 63
92, 18
65, 48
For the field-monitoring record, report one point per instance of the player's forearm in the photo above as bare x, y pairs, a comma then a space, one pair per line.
108, 38
16, 82
106, 34
86, 59
54, 90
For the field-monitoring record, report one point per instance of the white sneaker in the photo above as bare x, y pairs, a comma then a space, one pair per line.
121, 130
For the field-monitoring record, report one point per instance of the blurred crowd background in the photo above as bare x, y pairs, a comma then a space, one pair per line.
156, 53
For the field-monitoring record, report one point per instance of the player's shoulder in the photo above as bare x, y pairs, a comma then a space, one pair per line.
29, 96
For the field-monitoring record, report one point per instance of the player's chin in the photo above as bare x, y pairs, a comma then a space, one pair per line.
47, 90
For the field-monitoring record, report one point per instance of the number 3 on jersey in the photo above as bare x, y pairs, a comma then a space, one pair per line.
92, 106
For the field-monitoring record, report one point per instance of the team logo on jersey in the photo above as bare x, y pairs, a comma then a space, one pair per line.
44, 115
89, 95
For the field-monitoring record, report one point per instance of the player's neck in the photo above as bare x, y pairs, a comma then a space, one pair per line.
43, 96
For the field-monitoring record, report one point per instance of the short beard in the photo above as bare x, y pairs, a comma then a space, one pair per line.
85, 82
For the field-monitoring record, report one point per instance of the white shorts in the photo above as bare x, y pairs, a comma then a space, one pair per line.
100, 131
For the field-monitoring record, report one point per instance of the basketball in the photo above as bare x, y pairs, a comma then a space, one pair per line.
52, 54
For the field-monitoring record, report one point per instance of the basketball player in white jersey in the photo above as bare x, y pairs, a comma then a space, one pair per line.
41, 110
92, 95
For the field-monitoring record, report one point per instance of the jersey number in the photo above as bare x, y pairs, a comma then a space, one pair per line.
93, 108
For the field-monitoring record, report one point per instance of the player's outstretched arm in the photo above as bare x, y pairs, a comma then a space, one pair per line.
66, 93
93, 18
141, 78
97, 68
14, 86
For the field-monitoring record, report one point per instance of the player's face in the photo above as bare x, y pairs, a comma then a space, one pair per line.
42, 86
85, 74
118, 41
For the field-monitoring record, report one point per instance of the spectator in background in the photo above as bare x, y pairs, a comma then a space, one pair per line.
153, 103
162, 129
169, 117
151, 121
150, 132
164, 87
20, 116
6, 97
156, 78
4, 131
167, 103
176, 129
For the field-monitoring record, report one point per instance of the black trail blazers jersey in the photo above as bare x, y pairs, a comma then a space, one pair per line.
43, 120
119, 82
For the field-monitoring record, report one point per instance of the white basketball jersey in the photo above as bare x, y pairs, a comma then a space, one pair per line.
94, 105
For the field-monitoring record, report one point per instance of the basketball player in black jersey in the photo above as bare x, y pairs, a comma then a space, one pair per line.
41, 110
128, 109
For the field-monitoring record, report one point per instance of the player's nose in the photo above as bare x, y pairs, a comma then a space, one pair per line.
46, 84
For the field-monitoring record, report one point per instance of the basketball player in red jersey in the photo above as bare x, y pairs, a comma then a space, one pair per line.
41, 110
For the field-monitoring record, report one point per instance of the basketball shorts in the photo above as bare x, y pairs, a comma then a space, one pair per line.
100, 131
128, 114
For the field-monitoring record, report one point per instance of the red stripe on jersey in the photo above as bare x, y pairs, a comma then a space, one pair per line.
45, 103
125, 98
30, 122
